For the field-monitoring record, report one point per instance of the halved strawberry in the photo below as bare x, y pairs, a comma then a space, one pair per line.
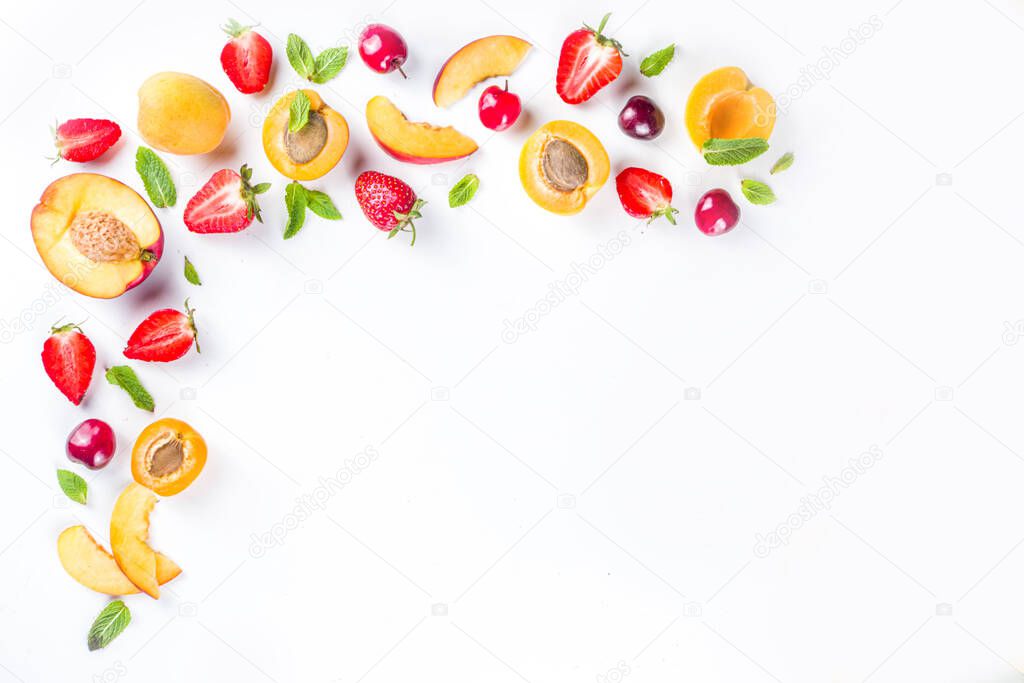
165, 335
226, 203
589, 61
69, 359
83, 140
246, 58
645, 194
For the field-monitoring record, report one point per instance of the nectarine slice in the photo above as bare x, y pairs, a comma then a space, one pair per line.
168, 456
724, 104
312, 151
477, 61
416, 143
88, 563
129, 530
562, 166
96, 234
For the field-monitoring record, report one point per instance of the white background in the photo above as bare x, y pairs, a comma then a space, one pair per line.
583, 503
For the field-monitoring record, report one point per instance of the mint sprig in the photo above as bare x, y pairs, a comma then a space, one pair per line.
653, 64
156, 178
123, 376
109, 623
757, 192
721, 152
298, 112
463, 191
297, 199
319, 69
73, 486
300, 56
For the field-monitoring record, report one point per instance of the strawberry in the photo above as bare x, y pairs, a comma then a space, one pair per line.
226, 203
388, 203
645, 194
69, 358
82, 140
165, 335
589, 61
246, 58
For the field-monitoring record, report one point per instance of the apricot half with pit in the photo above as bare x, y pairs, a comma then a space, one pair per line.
96, 235
168, 456
182, 114
724, 104
314, 149
88, 563
562, 166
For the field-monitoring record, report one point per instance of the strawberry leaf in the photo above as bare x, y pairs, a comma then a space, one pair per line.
329, 64
721, 152
156, 178
463, 191
295, 202
320, 203
784, 162
111, 621
757, 192
298, 112
655, 63
123, 376
191, 274
73, 486
300, 56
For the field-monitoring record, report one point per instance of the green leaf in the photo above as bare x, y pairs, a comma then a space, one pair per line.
784, 162
319, 203
329, 63
191, 274
463, 191
73, 486
719, 152
298, 113
757, 192
156, 178
300, 56
124, 377
110, 622
295, 201
654, 64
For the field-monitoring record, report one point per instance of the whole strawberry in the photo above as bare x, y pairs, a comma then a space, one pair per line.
645, 194
226, 203
588, 62
69, 359
388, 203
246, 58
164, 336
82, 140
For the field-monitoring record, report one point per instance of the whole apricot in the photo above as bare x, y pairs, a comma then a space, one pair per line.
182, 114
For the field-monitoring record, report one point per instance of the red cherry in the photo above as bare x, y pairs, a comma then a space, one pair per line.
499, 108
382, 49
92, 444
716, 213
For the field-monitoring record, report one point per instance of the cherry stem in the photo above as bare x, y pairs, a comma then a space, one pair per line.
401, 72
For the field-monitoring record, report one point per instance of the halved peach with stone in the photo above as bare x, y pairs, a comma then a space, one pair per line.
562, 166
96, 234
482, 59
168, 456
416, 143
129, 532
312, 151
724, 104
88, 563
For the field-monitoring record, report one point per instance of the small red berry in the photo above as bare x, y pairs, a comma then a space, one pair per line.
499, 108
716, 213
383, 49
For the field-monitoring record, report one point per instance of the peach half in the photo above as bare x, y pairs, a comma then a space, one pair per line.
96, 234
482, 59
724, 104
129, 531
415, 143
88, 563
312, 151
562, 166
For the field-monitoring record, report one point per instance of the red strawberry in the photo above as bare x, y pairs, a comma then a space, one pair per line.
588, 62
246, 58
645, 194
69, 358
85, 139
165, 335
388, 203
226, 203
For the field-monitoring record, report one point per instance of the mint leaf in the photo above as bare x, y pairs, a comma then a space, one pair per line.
720, 152
463, 191
298, 113
124, 377
191, 274
73, 486
757, 192
300, 56
654, 64
295, 201
156, 178
109, 623
784, 162
328, 64
320, 203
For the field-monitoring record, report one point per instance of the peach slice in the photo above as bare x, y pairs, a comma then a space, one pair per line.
416, 143
129, 530
311, 152
168, 456
562, 166
96, 234
88, 563
477, 61
724, 104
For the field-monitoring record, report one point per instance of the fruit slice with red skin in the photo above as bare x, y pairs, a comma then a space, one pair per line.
164, 336
388, 203
588, 62
83, 140
88, 563
476, 61
129, 532
226, 203
645, 194
246, 58
416, 143
96, 234
69, 359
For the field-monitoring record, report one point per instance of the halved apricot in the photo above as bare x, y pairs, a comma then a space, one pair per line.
168, 456
88, 563
313, 150
724, 104
562, 166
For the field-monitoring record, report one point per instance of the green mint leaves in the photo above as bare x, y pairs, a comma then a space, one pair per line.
784, 162
298, 198
298, 112
124, 377
319, 203
757, 192
156, 178
654, 64
191, 274
319, 69
463, 191
109, 624
720, 152
73, 486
